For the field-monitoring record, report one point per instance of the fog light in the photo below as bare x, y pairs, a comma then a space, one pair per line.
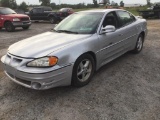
36, 85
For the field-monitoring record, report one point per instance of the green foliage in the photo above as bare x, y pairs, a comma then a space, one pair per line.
53, 5
121, 4
23, 6
9, 3
45, 2
95, 3
106, 2
75, 6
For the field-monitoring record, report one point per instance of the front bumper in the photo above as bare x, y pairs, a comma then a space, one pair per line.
22, 24
40, 80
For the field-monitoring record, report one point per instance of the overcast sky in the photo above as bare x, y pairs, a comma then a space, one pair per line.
85, 1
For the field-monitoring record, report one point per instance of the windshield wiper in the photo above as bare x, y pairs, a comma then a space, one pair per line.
67, 31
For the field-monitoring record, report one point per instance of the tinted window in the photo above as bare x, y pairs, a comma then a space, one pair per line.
37, 10
125, 18
48, 9
110, 19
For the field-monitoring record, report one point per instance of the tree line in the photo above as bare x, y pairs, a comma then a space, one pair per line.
23, 6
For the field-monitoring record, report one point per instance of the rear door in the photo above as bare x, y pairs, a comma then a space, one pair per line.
46, 12
128, 27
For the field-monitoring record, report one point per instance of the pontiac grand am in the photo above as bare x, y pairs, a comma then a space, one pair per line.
77, 47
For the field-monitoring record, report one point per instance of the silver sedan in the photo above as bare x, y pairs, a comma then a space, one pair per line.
74, 49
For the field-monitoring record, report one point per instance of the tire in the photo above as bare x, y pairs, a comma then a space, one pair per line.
9, 27
52, 20
0, 28
159, 15
139, 45
26, 28
83, 70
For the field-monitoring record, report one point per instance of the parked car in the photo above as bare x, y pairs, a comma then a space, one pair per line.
75, 49
44, 13
9, 20
64, 12
154, 11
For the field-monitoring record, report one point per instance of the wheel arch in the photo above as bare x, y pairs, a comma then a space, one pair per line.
92, 54
6, 22
143, 34
52, 15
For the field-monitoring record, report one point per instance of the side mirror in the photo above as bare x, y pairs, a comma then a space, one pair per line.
108, 29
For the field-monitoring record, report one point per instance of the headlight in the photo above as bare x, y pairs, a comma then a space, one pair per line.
16, 19
43, 62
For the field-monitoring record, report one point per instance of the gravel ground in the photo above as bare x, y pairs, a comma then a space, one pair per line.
125, 89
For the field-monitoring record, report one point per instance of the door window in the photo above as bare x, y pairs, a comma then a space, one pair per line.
125, 18
111, 19
39, 10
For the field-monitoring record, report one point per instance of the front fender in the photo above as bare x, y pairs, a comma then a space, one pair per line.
53, 15
69, 54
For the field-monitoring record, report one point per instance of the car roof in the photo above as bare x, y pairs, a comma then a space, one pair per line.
103, 10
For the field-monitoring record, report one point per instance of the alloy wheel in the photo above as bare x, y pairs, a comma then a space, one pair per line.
84, 70
139, 44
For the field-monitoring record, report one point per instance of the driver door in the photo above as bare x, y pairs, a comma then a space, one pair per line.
111, 45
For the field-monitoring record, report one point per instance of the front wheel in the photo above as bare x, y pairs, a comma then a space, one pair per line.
25, 28
9, 27
52, 20
83, 70
139, 44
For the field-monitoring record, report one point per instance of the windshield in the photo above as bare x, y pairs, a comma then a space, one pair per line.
80, 23
7, 11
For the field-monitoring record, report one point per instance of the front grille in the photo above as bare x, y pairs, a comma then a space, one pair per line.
25, 19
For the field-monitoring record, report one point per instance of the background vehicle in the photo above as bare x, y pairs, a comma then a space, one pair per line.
45, 13
9, 19
152, 12
64, 12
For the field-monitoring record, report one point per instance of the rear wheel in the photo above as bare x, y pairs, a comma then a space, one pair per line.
9, 27
83, 70
159, 15
52, 20
25, 28
139, 44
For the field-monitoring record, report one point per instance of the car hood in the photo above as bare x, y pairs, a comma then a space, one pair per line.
44, 44
17, 15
